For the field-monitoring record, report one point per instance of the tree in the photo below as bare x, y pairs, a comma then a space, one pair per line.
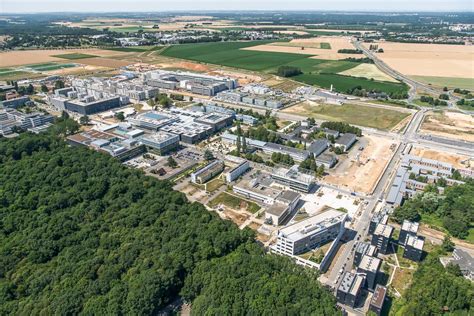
320, 171
244, 145
447, 244
208, 155
238, 145
44, 88
30, 89
59, 84
120, 116
84, 120
172, 163
64, 115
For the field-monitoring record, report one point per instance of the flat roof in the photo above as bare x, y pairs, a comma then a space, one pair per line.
379, 296
351, 283
289, 196
313, 224
277, 208
256, 186
159, 136
411, 227
415, 242
384, 230
369, 263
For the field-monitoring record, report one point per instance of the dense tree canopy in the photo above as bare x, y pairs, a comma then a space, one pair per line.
454, 208
248, 282
435, 289
80, 233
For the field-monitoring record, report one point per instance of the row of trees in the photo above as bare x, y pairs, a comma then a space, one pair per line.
342, 127
288, 71
349, 51
433, 101
283, 159
83, 234
454, 208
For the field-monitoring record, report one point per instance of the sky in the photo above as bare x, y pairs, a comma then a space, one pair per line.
31, 6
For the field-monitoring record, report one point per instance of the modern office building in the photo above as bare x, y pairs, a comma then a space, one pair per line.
310, 233
362, 249
381, 238
88, 106
161, 142
207, 172
11, 119
258, 189
246, 119
152, 120
237, 171
378, 299
413, 248
217, 121
377, 218
346, 141
349, 289
15, 103
293, 179
408, 228
370, 267
189, 132
283, 206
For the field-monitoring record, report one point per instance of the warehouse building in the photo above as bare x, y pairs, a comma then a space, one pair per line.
378, 299
310, 233
381, 238
408, 228
294, 179
349, 289
207, 172
413, 248
370, 267
161, 142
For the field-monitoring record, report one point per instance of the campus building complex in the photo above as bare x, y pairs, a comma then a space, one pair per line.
11, 119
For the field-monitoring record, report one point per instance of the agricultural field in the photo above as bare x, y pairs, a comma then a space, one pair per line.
449, 124
461, 83
369, 71
320, 72
74, 56
432, 60
361, 115
49, 66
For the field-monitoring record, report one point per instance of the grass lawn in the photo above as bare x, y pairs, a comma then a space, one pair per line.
49, 66
402, 280
315, 71
214, 184
234, 202
73, 56
350, 113
462, 83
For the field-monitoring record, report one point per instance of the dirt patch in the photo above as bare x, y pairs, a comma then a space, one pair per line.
235, 217
458, 161
449, 124
360, 171
439, 60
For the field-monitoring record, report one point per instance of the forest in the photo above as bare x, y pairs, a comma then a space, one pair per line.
454, 208
82, 234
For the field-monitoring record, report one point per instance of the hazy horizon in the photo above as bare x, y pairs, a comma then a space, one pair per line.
137, 6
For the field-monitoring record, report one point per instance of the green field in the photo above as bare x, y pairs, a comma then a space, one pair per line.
73, 56
350, 113
16, 75
318, 72
49, 66
462, 83
234, 202
135, 49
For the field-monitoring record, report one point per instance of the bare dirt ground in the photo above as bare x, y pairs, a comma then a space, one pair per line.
429, 59
345, 31
28, 57
362, 176
237, 218
79, 70
458, 161
369, 71
295, 47
449, 124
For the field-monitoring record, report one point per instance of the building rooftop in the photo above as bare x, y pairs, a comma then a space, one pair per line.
288, 196
257, 186
287, 150
318, 145
361, 247
369, 263
346, 139
294, 174
213, 118
411, 227
159, 136
351, 283
379, 296
415, 242
313, 224
277, 208
384, 230
463, 259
